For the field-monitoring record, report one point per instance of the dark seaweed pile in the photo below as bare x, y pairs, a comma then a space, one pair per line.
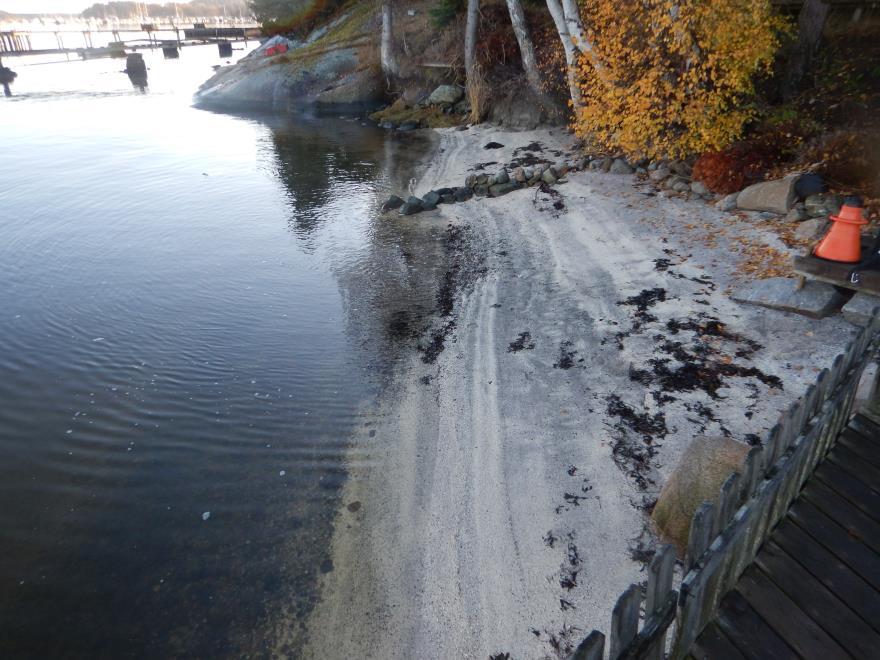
522, 343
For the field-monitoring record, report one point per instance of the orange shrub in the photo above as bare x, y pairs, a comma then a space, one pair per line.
669, 78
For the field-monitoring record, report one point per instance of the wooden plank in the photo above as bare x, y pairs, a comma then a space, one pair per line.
625, 620
660, 574
866, 427
786, 619
853, 552
857, 493
860, 596
853, 465
844, 513
858, 444
592, 648
749, 632
828, 610
714, 645
700, 534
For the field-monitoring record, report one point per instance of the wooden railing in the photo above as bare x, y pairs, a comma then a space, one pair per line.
725, 535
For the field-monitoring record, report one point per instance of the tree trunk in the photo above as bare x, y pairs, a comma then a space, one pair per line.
470, 36
389, 61
526, 49
811, 24
572, 50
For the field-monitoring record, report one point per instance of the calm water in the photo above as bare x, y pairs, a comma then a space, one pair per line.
194, 316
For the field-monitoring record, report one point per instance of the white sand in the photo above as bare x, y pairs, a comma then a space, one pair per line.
465, 477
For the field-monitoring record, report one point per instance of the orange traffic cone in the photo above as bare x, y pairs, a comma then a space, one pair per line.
843, 242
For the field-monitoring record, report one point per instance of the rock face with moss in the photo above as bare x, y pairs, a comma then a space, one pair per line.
334, 70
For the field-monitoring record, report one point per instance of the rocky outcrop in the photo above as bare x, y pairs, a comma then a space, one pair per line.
327, 72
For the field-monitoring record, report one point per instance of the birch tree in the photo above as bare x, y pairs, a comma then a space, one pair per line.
470, 36
387, 56
526, 48
567, 19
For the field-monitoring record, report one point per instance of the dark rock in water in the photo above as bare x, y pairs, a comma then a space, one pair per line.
408, 126
431, 199
463, 194
494, 145
447, 199
809, 184
413, 200
481, 190
394, 202
410, 208
500, 189
444, 191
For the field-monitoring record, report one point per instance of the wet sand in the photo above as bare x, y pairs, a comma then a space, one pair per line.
498, 503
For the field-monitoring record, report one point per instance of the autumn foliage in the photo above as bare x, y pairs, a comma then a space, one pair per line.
667, 78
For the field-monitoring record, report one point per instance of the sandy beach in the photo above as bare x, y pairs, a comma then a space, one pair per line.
498, 503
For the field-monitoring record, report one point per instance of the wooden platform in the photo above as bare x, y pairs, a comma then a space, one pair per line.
814, 588
837, 273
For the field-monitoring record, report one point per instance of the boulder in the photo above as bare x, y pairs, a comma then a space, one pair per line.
816, 299
703, 467
482, 180
528, 173
699, 188
774, 196
411, 208
660, 173
560, 170
394, 202
811, 230
519, 175
676, 180
448, 198
463, 194
446, 95
727, 203
500, 189
823, 205
797, 214
681, 186
431, 199
681, 168
860, 308
606, 163
501, 177
620, 166
470, 181
809, 184
481, 190
547, 177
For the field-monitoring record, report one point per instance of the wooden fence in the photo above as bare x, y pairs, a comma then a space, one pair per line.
726, 535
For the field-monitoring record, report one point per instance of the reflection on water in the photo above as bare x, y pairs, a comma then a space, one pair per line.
195, 312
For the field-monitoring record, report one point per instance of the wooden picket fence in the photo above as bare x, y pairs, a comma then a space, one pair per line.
726, 535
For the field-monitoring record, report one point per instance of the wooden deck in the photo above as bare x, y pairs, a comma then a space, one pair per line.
813, 590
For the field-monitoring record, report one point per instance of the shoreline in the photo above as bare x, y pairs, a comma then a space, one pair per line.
497, 504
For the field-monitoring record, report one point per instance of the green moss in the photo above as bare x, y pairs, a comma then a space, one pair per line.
431, 117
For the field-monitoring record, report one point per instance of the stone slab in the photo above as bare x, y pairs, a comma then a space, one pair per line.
816, 300
772, 196
860, 308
